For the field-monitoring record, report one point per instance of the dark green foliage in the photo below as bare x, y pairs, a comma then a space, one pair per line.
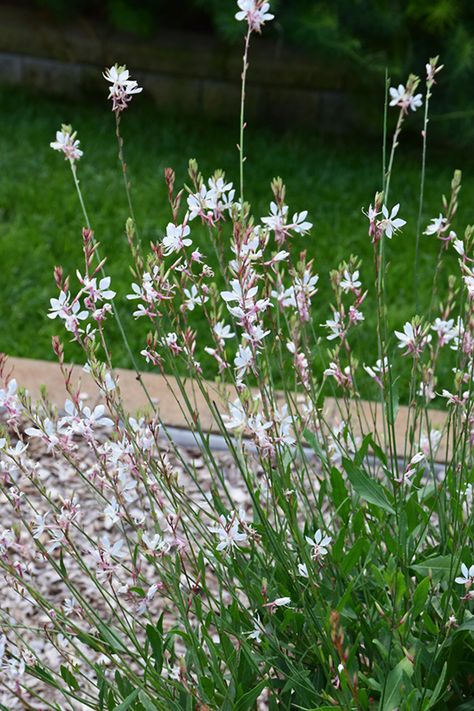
359, 38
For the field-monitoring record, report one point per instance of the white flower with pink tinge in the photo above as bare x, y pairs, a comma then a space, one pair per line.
438, 225
350, 282
122, 88
176, 238
67, 143
243, 361
255, 12
377, 371
412, 338
194, 298
335, 325
467, 575
410, 469
222, 332
237, 420
405, 99
391, 223
279, 602
228, 532
319, 544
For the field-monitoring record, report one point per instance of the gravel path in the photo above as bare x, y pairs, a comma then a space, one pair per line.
63, 483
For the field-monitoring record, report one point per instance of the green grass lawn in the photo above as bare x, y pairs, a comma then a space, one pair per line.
40, 219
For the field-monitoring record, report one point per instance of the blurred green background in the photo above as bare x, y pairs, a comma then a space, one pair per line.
361, 37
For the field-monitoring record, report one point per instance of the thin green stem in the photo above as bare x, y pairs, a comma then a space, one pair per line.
242, 116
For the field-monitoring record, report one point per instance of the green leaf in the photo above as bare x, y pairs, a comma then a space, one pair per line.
351, 558
156, 643
69, 678
394, 686
339, 494
368, 489
42, 673
313, 442
146, 702
466, 626
437, 690
126, 703
247, 701
361, 453
420, 597
62, 567
437, 567
107, 634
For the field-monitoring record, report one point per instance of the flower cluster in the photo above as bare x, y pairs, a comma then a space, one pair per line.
255, 12
67, 143
122, 89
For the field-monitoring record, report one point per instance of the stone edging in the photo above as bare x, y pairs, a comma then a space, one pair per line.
33, 374
182, 72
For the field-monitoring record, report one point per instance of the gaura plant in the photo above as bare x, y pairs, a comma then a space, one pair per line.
326, 561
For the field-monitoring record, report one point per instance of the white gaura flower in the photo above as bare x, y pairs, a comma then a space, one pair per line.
155, 543
412, 338
284, 425
14, 668
410, 470
243, 361
222, 332
194, 298
467, 575
237, 419
300, 224
319, 544
256, 633
415, 101
285, 297
96, 417
279, 602
109, 382
375, 371
176, 238
112, 513
111, 550
398, 95
438, 225
403, 98
350, 282
39, 525
255, 12
60, 307
391, 223
429, 443
122, 88
303, 570
459, 247
69, 606
227, 530
444, 329
468, 280
48, 433
97, 292
56, 541
67, 143
335, 326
